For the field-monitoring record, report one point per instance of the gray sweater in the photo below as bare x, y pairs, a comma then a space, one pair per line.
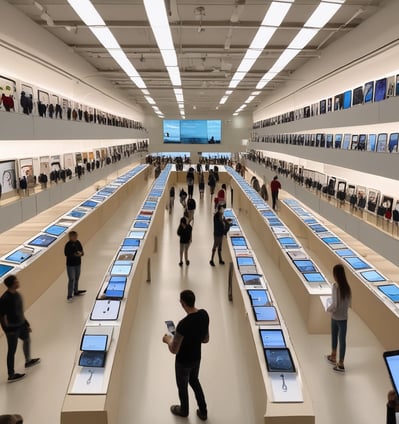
339, 307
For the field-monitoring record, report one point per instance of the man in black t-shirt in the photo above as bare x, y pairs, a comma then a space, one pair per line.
191, 332
73, 251
15, 326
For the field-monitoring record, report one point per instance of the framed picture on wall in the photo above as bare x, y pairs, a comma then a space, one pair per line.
329, 104
372, 142
25, 168
8, 90
382, 142
391, 91
368, 92
380, 90
373, 198
44, 165
393, 142
357, 96
8, 176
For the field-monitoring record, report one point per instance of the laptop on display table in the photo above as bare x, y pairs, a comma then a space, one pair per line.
391, 291
265, 315
105, 310
94, 349
4, 269
272, 338
20, 255
356, 263
258, 297
279, 360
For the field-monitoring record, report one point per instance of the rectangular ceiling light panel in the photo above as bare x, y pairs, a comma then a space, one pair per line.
323, 13
276, 14
87, 12
303, 38
174, 75
105, 37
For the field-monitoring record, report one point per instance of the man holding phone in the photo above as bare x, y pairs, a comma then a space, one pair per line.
73, 251
191, 332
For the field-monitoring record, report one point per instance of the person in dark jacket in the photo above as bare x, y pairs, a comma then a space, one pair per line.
73, 251
185, 233
220, 227
211, 182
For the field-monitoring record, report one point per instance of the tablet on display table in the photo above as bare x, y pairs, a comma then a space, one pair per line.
331, 240
89, 204
318, 228
131, 242
115, 289
19, 256
44, 240
137, 234
313, 277
150, 205
105, 310
228, 213
4, 269
127, 255
310, 221
268, 213
305, 265
344, 252
252, 279
92, 359
143, 217
55, 230
258, 297
245, 261
392, 362
265, 314
141, 224
77, 214
121, 269
356, 263
94, 342
279, 360
391, 291
238, 242
372, 276
99, 198
272, 338
288, 242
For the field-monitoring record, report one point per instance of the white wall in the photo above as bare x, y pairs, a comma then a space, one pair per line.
328, 75
30, 53
234, 130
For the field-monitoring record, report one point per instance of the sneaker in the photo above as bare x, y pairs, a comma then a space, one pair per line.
15, 377
80, 292
221, 261
176, 410
187, 262
339, 368
211, 263
180, 263
32, 362
202, 415
69, 299
331, 359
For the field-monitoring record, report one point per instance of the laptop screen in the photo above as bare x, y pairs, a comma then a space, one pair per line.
4, 269
372, 276
55, 230
19, 256
305, 265
43, 240
272, 338
356, 263
94, 342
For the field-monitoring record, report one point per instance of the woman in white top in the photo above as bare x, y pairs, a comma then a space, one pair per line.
341, 301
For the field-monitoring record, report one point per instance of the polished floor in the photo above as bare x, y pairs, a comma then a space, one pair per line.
148, 387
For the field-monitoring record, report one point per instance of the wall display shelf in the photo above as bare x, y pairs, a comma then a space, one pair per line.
284, 395
114, 308
307, 282
372, 290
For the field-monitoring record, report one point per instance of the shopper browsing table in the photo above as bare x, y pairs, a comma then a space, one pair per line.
15, 326
191, 332
73, 251
275, 186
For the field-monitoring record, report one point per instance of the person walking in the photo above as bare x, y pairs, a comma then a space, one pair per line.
183, 197
190, 182
171, 198
73, 251
340, 303
220, 228
191, 332
184, 231
275, 186
263, 192
15, 326
201, 185
220, 199
190, 210
211, 182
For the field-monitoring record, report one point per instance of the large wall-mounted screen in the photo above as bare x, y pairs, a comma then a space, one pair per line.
192, 131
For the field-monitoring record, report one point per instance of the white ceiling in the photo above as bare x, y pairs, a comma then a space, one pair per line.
206, 66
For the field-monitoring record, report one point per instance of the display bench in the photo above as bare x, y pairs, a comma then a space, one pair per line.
281, 396
374, 288
39, 260
93, 393
303, 276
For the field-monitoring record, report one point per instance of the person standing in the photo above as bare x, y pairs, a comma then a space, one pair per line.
263, 192
191, 332
190, 182
190, 210
184, 231
15, 326
340, 303
275, 186
220, 228
183, 197
171, 198
73, 251
211, 182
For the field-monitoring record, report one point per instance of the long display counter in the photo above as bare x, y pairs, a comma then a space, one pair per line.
375, 296
304, 278
93, 392
276, 376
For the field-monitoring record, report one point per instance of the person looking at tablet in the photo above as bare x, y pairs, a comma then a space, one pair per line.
191, 332
275, 187
15, 326
73, 251
341, 301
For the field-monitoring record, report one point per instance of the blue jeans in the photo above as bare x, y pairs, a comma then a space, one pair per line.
338, 333
188, 374
22, 333
73, 279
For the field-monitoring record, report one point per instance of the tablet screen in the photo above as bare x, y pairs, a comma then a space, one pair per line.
228, 213
19, 256
310, 221
391, 291
305, 265
258, 297
99, 198
287, 242
77, 214
238, 241
55, 230
92, 359
344, 252
137, 234
331, 240
131, 242
144, 217
272, 338
314, 277
265, 313
279, 360
318, 228
245, 261
89, 204
372, 276
251, 279
140, 224
356, 263
121, 269
392, 363
4, 269
43, 240
268, 214
127, 255
149, 205
94, 342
